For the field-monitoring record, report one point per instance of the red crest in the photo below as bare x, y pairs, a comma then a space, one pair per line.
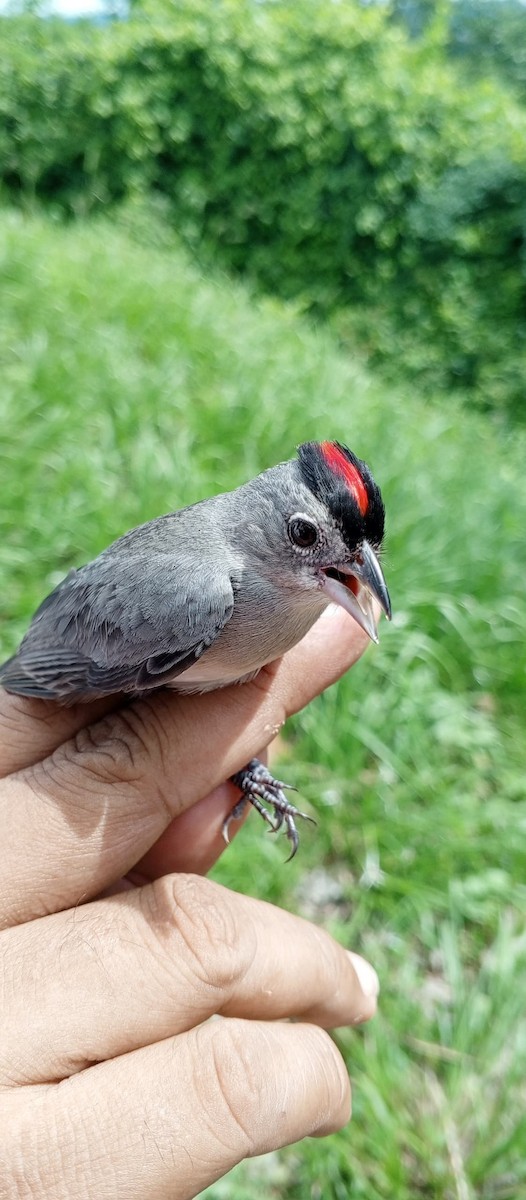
341, 465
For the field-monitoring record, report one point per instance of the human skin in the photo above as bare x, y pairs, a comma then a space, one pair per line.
116, 949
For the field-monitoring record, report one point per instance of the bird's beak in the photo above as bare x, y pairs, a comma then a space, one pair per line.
356, 585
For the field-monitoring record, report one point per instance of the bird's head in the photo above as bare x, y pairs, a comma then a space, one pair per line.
331, 522
346, 541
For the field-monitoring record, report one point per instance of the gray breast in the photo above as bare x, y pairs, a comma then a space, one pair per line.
258, 632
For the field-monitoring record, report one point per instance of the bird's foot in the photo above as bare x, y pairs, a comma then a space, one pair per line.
259, 788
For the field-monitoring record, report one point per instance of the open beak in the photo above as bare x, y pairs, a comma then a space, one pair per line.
355, 587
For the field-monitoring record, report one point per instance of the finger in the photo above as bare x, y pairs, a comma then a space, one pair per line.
103, 798
166, 1121
32, 729
193, 841
135, 968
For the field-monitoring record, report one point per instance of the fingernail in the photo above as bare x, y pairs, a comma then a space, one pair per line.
367, 977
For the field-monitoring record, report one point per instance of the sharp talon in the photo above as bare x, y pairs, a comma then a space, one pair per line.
293, 837
235, 813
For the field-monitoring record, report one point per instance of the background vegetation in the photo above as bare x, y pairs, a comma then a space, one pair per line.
317, 147
364, 185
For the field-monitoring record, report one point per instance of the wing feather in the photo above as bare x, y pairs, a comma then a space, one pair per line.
134, 618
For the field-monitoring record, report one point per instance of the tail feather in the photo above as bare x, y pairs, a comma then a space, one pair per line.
47, 674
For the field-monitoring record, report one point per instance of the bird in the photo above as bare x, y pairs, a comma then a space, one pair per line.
206, 596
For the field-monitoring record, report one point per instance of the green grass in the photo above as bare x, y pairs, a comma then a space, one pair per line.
129, 385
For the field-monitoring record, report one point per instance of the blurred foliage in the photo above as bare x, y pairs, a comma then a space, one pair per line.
315, 147
491, 34
131, 385
488, 35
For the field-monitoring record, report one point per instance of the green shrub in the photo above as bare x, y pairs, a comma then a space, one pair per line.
312, 146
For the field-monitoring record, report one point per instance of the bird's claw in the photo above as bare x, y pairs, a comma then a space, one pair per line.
259, 788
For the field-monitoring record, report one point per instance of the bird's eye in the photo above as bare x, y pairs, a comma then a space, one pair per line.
302, 532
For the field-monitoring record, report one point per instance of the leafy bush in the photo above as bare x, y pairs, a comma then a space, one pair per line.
310, 145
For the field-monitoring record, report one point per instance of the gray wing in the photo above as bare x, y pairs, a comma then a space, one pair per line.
129, 621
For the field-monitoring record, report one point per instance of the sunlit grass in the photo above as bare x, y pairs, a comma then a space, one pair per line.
130, 386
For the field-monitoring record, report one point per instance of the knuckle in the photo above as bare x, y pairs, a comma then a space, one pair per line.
111, 749
123, 747
97, 757
134, 746
229, 1087
262, 1085
328, 1067
152, 725
212, 943
126, 750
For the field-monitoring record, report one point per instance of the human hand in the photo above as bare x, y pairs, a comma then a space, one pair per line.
112, 1080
